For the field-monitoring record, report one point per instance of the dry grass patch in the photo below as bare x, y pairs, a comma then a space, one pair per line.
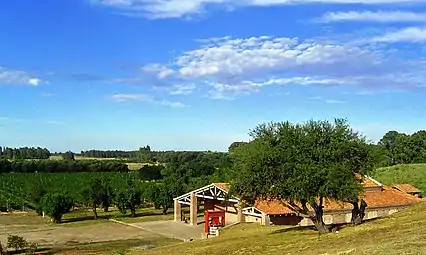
403, 233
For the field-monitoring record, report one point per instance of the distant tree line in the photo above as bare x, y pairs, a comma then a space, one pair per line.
119, 154
146, 155
24, 153
400, 148
60, 166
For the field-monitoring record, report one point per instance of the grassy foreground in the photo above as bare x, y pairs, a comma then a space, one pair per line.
414, 174
402, 233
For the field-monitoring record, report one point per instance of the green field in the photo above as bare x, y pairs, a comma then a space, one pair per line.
15, 187
402, 233
414, 174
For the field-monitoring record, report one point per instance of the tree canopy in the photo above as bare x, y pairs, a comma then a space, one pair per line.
400, 148
302, 165
56, 205
24, 153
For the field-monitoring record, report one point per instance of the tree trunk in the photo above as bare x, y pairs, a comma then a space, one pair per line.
57, 220
1, 249
317, 218
95, 213
358, 212
106, 208
133, 212
165, 209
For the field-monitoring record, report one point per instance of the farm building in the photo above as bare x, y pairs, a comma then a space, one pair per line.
407, 188
381, 201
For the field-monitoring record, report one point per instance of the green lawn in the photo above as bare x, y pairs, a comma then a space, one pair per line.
402, 233
414, 174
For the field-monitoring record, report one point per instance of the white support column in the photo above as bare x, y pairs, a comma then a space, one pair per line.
193, 210
177, 211
265, 220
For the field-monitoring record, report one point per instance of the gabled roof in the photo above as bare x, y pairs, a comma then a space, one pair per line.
368, 182
407, 188
217, 191
379, 198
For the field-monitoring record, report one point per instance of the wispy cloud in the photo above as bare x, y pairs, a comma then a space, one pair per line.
378, 16
331, 101
86, 77
55, 122
315, 98
11, 119
128, 97
18, 77
47, 94
145, 98
177, 89
410, 34
159, 9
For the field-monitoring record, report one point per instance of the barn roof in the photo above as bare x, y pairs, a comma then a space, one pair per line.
379, 198
407, 188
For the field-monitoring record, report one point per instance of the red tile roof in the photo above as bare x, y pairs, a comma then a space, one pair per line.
272, 207
379, 198
370, 183
407, 188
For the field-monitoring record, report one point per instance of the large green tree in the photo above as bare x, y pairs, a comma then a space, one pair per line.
35, 194
302, 165
56, 205
128, 198
159, 195
92, 195
398, 147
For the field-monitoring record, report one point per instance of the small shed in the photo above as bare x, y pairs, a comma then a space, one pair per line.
408, 188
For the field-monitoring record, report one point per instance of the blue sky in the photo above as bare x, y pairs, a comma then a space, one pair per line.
199, 74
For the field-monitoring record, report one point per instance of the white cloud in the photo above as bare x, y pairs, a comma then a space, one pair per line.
145, 98
159, 69
18, 77
160, 9
379, 16
238, 66
410, 34
34, 81
236, 59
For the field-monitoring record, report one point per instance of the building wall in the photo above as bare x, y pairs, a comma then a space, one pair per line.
231, 213
285, 220
333, 218
253, 219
